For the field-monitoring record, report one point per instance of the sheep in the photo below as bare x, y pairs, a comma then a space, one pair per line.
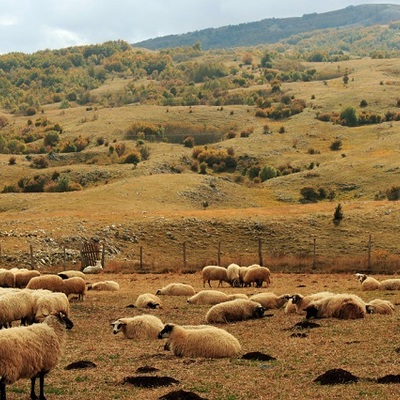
298, 303
270, 300
71, 274
390, 284
242, 273
111, 286
74, 285
370, 283
235, 296
258, 275
214, 273
50, 303
210, 297
209, 342
93, 269
15, 306
234, 310
31, 352
7, 278
176, 289
23, 276
233, 274
342, 306
144, 326
378, 306
148, 300
50, 282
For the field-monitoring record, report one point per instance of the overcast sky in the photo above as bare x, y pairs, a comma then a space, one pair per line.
31, 25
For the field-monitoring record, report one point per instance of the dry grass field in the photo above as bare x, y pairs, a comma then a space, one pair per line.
368, 348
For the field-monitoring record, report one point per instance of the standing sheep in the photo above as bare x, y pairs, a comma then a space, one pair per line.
147, 300
74, 285
110, 286
72, 273
31, 352
50, 303
270, 300
7, 278
234, 310
176, 289
209, 342
342, 306
214, 273
144, 326
16, 306
23, 276
210, 297
49, 282
258, 275
233, 271
242, 273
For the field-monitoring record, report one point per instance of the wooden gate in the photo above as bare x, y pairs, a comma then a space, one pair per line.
90, 253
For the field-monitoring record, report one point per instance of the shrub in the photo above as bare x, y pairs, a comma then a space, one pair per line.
268, 173
338, 214
132, 158
51, 138
349, 117
393, 194
309, 194
363, 103
188, 141
30, 111
144, 152
12, 160
282, 129
336, 145
203, 168
40, 162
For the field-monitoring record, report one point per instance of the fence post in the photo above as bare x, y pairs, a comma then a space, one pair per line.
32, 259
219, 254
1, 256
141, 258
184, 255
314, 253
260, 257
369, 252
103, 255
64, 257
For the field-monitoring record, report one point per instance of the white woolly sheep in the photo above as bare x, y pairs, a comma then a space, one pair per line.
144, 326
235, 296
298, 303
210, 297
270, 300
148, 300
176, 289
342, 306
233, 271
257, 275
71, 273
214, 273
7, 278
50, 303
208, 342
234, 310
111, 286
242, 273
49, 282
16, 306
93, 269
378, 306
31, 352
74, 285
370, 283
23, 276
390, 284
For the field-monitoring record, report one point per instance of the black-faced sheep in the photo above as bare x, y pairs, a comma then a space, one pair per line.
209, 342
233, 271
148, 300
31, 352
342, 306
378, 306
176, 289
72, 273
298, 302
16, 306
370, 283
257, 275
140, 327
234, 310
50, 303
111, 286
210, 297
270, 300
214, 273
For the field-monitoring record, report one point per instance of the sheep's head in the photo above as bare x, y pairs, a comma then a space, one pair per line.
361, 277
166, 331
286, 297
296, 298
117, 326
259, 312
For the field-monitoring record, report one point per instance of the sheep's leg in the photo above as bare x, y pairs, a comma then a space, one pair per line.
41, 380
33, 394
2, 390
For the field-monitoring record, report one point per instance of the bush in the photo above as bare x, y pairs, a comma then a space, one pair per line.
188, 141
268, 173
338, 214
51, 139
336, 145
132, 158
12, 160
30, 111
393, 194
40, 162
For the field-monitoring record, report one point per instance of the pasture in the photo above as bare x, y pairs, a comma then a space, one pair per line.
368, 348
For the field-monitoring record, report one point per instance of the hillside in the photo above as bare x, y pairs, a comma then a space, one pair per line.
272, 30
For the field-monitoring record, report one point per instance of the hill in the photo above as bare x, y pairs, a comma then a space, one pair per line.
272, 30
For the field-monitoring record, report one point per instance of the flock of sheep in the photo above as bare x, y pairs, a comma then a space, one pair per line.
39, 308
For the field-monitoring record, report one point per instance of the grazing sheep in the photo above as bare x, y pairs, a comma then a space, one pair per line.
49, 282
370, 283
23, 276
16, 306
50, 303
258, 275
298, 303
176, 289
111, 286
378, 306
208, 342
342, 306
72, 273
242, 273
148, 300
270, 300
234, 310
74, 285
31, 352
144, 326
214, 273
7, 278
210, 297
233, 271
93, 269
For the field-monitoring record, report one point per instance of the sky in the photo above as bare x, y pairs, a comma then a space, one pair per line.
28, 26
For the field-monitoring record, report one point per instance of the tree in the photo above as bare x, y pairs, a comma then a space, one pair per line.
349, 116
51, 139
338, 214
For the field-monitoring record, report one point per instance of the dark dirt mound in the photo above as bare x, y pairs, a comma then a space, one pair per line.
306, 325
300, 335
149, 381
181, 395
146, 370
336, 376
80, 365
255, 355
389, 379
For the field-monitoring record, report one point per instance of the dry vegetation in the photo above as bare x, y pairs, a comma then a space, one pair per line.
368, 348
